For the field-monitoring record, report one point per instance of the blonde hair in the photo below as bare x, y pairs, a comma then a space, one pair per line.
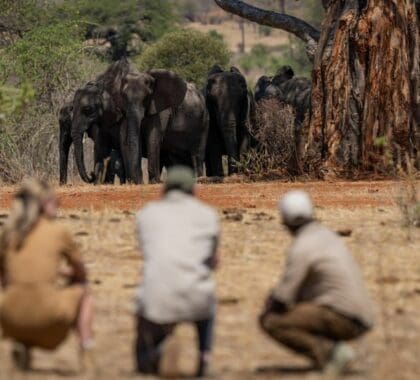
27, 208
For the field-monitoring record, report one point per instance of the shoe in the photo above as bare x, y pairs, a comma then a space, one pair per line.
21, 356
341, 357
202, 370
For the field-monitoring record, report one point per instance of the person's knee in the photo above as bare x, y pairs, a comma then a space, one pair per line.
266, 323
273, 323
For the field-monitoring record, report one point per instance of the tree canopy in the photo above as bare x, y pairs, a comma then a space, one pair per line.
188, 53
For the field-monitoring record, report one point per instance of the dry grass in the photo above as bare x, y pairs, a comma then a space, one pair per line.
253, 247
276, 153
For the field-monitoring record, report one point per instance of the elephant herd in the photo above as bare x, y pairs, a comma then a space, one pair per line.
157, 115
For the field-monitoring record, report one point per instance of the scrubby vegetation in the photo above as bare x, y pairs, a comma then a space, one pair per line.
188, 53
275, 152
46, 54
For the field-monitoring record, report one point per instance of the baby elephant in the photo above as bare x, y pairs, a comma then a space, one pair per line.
113, 166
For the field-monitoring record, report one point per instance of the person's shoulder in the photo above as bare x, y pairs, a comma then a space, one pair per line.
149, 209
205, 209
54, 227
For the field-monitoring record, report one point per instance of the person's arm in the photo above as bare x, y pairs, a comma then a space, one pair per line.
297, 268
214, 260
76, 271
2, 276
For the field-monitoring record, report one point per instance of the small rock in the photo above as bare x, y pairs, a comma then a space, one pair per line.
229, 300
345, 232
81, 233
114, 220
4, 216
262, 216
399, 310
74, 216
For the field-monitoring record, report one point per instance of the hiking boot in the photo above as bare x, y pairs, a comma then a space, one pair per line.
341, 357
21, 356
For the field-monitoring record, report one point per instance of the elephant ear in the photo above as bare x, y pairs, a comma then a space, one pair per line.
234, 69
282, 75
169, 91
216, 69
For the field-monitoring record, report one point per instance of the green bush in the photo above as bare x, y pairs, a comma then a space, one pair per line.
46, 56
188, 53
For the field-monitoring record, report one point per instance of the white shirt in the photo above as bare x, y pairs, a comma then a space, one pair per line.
178, 236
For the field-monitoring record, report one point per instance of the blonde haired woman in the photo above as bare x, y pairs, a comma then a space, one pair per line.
36, 311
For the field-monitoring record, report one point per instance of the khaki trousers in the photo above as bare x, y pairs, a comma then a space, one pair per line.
310, 330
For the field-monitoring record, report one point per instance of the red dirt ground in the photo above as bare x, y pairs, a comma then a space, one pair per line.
246, 195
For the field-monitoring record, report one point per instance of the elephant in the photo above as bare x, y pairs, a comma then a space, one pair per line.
113, 162
295, 91
153, 114
230, 106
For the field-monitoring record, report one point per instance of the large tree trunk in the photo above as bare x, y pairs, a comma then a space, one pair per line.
365, 90
365, 110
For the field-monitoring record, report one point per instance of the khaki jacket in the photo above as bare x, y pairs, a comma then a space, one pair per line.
321, 270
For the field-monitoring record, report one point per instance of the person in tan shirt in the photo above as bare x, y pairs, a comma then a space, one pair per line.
321, 299
36, 309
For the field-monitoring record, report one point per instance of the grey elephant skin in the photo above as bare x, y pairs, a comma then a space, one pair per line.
140, 115
230, 105
284, 86
113, 163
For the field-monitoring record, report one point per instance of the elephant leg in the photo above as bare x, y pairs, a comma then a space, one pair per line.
126, 156
65, 143
102, 153
154, 141
198, 165
213, 158
231, 145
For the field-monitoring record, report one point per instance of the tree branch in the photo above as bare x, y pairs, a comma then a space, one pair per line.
298, 27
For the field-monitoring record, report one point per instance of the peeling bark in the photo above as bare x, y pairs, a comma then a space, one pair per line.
365, 88
365, 107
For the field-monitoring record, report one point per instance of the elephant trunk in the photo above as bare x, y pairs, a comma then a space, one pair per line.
80, 160
230, 138
135, 117
64, 154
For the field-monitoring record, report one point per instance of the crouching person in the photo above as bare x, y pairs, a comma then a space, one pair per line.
321, 301
178, 237
37, 309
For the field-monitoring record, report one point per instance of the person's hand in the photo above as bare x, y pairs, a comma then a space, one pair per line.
66, 272
274, 305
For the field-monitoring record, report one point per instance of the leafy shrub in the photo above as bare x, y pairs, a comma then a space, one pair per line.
47, 56
274, 131
409, 199
188, 53
29, 140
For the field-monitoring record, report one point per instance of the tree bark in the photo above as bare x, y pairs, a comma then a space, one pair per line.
365, 89
365, 107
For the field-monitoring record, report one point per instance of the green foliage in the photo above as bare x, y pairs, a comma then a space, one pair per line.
188, 53
151, 19
43, 55
215, 34
14, 99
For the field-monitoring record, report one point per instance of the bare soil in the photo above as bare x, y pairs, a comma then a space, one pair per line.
253, 246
